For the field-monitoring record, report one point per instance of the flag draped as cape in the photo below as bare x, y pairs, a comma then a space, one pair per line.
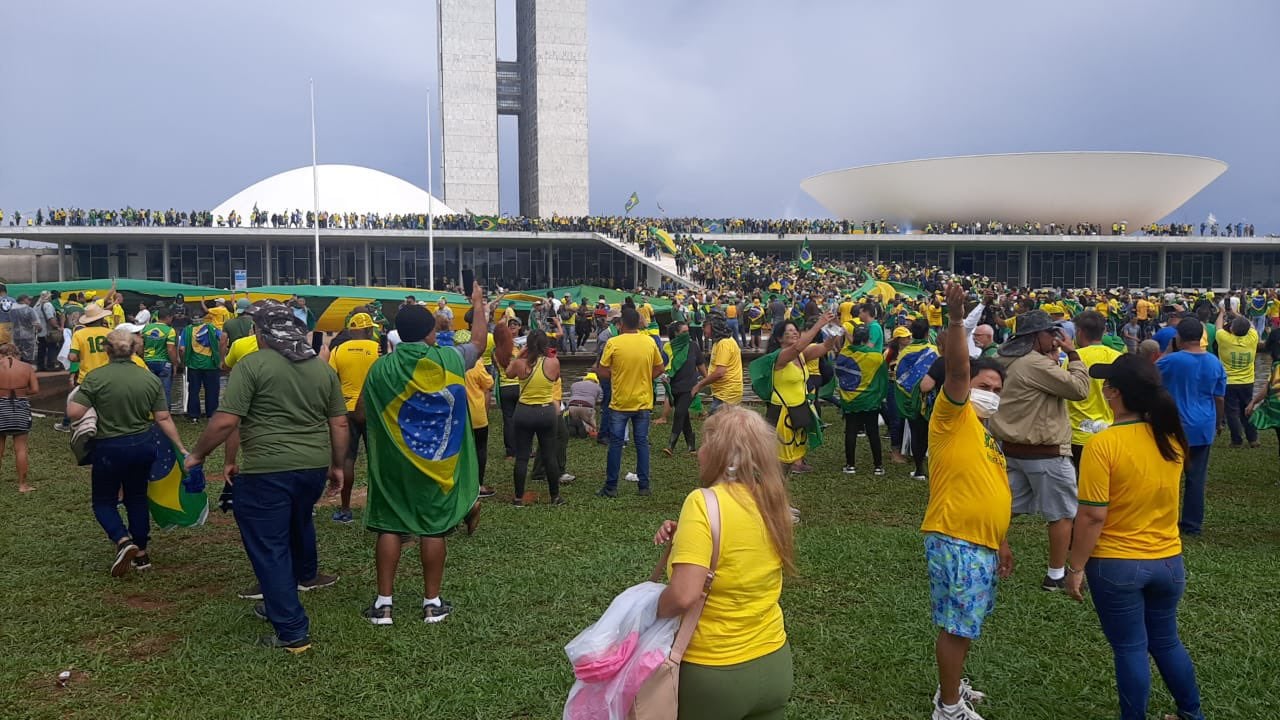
423, 475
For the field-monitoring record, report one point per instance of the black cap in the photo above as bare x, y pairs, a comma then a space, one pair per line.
1127, 371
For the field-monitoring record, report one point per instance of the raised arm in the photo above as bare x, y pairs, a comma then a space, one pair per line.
955, 349
479, 319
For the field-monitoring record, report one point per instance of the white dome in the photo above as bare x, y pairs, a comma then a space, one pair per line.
343, 189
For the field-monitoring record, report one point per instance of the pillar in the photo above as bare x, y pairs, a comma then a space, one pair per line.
270, 261
164, 256
1024, 276
875, 252
951, 258
367, 262
465, 290
551, 264
62, 268
1226, 268
1160, 267
1093, 267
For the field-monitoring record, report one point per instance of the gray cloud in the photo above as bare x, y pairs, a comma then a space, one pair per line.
712, 108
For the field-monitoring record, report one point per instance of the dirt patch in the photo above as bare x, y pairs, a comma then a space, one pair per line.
150, 646
51, 683
140, 601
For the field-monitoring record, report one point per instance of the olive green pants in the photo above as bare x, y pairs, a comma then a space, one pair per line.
753, 690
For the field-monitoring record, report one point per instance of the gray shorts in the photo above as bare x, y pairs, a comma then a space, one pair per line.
1044, 487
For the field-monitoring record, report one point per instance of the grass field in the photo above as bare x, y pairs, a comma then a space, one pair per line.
176, 643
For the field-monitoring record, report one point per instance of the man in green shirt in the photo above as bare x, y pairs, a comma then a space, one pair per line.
239, 326
160, 352
287, 408
201, 354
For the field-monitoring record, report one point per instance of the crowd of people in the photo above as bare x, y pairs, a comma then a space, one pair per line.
634, 229
1084, 408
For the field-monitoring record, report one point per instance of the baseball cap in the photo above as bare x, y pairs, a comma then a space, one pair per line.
360, 321
901, 332
242, 304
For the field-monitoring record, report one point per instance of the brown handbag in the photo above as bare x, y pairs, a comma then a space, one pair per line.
659, 696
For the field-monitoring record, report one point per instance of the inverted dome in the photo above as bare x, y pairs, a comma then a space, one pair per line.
1062, 187
343, 188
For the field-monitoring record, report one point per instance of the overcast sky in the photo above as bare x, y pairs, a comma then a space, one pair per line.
712, 108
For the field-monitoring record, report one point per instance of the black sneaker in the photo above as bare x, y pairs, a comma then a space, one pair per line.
251, 593
260, 611
142, 561
436, 613
377, 615
126, 551
644, 492
1051, 585
297, 647
486, 491
558, 500
319, 581
606, 493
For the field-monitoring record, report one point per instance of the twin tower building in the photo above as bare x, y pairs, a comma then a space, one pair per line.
545, 87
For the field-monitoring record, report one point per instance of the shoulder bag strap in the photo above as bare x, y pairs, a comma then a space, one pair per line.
689, 622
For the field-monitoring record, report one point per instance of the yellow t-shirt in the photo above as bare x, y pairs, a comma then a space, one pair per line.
846, 312
90, 345
1273, 309
218, 316
631, 358
246, 345
479, 384
352, 360
731, 311
1122, 469
646, 314
969, 496
487, 356
117, 314
741, 620
1143, 308
1095, 406
1237, 355
789, 385
934, 313
726, 353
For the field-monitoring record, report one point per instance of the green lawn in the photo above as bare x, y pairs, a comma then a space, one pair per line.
176, 643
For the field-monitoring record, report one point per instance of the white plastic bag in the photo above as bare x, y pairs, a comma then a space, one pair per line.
615, 655
64, 354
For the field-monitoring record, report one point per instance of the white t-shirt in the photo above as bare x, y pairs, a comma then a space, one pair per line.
393, 339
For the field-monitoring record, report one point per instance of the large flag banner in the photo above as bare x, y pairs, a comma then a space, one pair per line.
423, 475
664, 239
862, 379
487, 222
711, 249
806, 256
632, 202
172, 505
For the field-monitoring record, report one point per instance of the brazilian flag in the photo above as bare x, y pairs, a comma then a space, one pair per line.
913, 365
172, 505
487, 222
423, 475
664, 239
862, 378
806, 256
632, 202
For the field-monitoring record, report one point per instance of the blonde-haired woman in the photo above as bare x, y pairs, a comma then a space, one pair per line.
738, 663
128, 399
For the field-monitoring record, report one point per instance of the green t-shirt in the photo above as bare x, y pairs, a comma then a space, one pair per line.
284, 409
200, 347
238, 327
125, 396
156, 339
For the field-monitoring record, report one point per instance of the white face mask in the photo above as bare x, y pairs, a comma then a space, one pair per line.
985, 403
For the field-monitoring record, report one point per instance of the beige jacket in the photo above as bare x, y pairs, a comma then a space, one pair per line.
1033, 405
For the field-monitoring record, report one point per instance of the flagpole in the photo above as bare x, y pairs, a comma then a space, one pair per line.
315, 178
431, 211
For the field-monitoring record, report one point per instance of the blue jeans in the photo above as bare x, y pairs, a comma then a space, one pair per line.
618, 420
1195, 475
164, 371
605, 431
273, 511
123, 464
735, 330
1137, 604
209, 380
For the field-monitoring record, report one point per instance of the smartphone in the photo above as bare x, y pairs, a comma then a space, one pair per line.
468, 280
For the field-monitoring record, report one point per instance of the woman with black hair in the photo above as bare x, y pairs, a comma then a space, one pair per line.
1264, 409
537, 413
789, 409
1126, 538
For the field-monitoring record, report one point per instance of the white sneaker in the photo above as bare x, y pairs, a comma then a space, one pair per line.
567, 478
918, 476
878, 471
632, 477
963, 711
850, 470
967, 694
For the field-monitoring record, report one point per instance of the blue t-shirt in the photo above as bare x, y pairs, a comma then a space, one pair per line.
1194, 380
1164, 336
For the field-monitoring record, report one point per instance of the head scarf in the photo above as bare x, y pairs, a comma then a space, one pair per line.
281, 331
719, 324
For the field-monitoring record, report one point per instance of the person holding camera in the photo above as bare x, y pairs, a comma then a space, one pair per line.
1035, 429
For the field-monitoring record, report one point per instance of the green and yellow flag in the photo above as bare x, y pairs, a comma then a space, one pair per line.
664, 239
487, 222
632, 202
806, 256
423, 475
172, 505
862, 378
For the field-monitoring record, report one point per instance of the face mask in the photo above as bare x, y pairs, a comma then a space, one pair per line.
985, 403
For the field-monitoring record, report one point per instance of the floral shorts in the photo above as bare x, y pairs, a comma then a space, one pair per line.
962, 583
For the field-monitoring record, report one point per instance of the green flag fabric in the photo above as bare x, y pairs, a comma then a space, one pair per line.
423, 475
806, 256
679, 352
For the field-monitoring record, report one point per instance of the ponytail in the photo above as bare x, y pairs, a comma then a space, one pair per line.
1162, 413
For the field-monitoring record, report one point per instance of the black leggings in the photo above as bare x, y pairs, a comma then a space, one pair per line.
683, 423
481, 437
508, 398
919, 441
868, 421
536, 421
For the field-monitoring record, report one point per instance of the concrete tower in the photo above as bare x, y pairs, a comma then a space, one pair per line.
545, 87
